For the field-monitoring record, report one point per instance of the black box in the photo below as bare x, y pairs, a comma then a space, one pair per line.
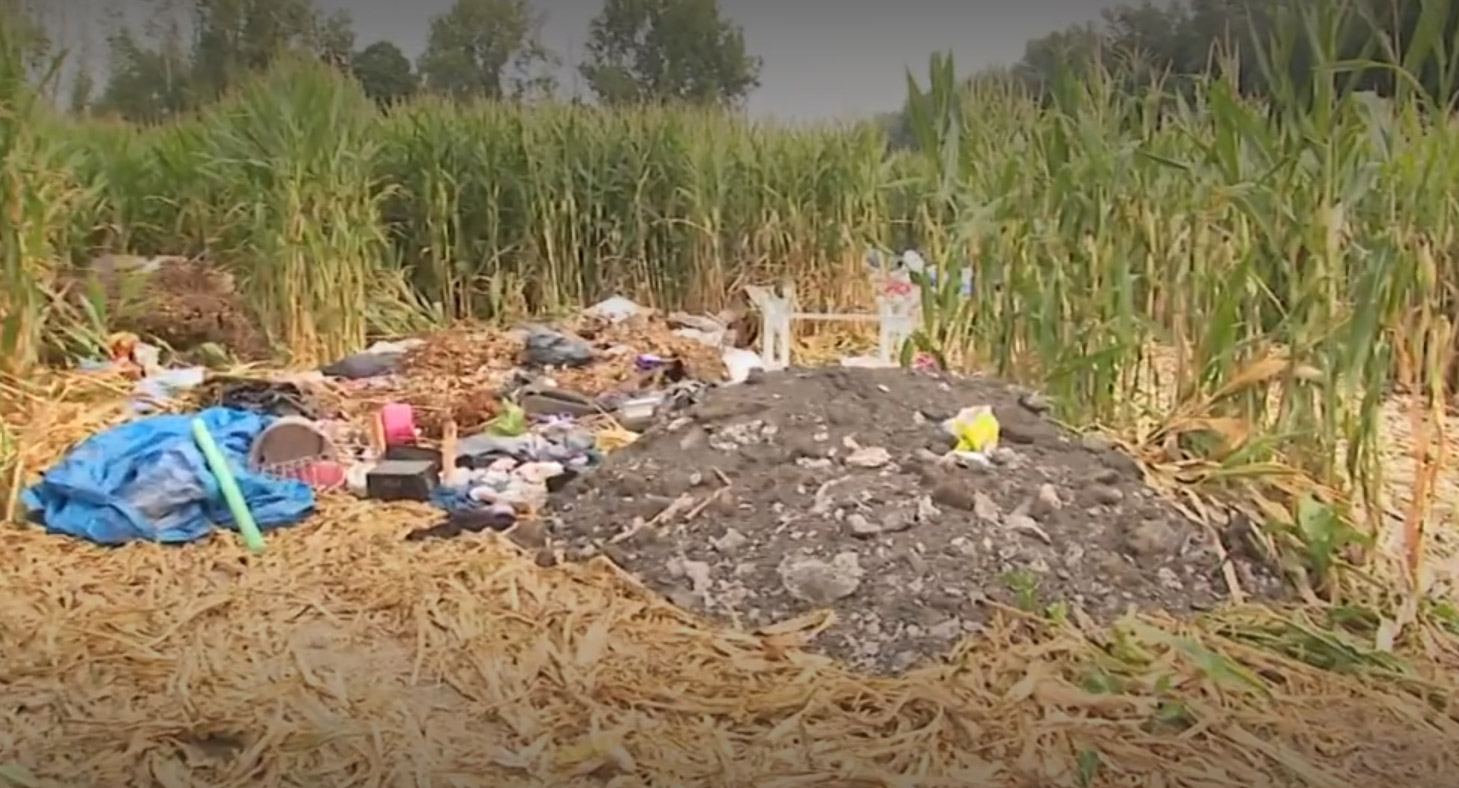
406, 452
403, 480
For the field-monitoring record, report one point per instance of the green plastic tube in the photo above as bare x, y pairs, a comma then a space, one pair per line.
247, 528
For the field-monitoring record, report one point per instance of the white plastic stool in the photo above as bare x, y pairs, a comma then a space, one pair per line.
896, 319
896, 325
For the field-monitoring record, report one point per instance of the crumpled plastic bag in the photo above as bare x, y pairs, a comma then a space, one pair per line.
740, 362
976, 429
163, 385
615, 310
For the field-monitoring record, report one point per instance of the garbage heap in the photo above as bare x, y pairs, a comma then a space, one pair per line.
482, 423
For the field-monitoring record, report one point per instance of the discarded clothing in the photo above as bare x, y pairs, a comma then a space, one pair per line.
455, 500
461, 521
147, 481
547, 348
479, 451
267, 397
365, 365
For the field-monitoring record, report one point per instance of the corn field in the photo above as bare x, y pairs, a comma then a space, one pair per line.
1097, 226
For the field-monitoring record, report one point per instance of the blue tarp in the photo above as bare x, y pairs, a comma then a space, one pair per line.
146, 480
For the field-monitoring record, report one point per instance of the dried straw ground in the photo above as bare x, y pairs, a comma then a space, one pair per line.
1401, 449
347, 656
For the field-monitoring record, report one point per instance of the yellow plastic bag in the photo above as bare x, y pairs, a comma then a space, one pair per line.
975, 428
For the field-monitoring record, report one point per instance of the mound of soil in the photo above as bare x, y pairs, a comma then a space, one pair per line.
823, 488
187, 304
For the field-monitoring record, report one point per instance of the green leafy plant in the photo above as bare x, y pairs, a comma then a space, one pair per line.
1323, 535
1025, 587
1088, 765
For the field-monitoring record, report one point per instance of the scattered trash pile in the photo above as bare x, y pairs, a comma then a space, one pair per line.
904, 502
483, 425
613, 352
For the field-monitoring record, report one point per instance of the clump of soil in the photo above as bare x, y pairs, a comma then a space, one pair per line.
187, 304
824, 488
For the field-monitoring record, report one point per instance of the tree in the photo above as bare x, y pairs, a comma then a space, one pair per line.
384, 72
1267, 48
155, 74
78, 101
657, 51
27, 33
240, 37
333, 39
1073, 51
147, 84
489, 49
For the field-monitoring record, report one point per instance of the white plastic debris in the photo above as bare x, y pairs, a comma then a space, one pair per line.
163, 385
357, 477
524, 496
384, 347
459, 478
740, 362
867, 362
706, 338
615, 310
976, 429
148, 357
538, 472
524, 487
913, 260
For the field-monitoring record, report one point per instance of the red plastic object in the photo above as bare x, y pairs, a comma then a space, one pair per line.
398, 423
325, 474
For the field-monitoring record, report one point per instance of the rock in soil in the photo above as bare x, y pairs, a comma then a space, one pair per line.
819, 488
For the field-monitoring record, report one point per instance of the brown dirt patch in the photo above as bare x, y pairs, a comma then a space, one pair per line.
776, 519
186, 304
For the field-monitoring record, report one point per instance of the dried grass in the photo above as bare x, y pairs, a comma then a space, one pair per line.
345, 655
1401, 466
454, 375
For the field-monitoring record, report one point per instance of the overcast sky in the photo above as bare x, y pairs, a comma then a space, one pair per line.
823, 58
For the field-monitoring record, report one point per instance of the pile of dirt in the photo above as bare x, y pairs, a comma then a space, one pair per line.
186, 304
827, 489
